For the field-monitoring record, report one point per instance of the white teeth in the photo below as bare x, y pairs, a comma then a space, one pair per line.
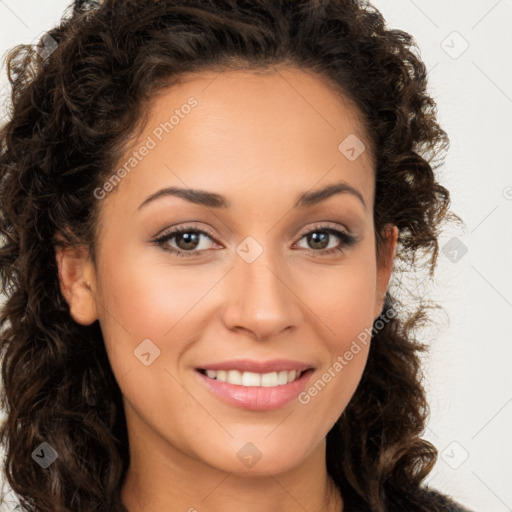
282, 377
234, 377
250, 379
269, 380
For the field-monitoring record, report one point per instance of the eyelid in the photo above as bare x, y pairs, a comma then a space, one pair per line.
341, 232
205, 230
322, 225
188, 227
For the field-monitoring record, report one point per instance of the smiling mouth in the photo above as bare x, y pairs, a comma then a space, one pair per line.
252, 379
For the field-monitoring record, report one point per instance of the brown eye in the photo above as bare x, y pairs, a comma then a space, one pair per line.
186, 241
319, 237
317, 241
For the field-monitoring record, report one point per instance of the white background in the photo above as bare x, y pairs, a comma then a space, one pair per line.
467, 372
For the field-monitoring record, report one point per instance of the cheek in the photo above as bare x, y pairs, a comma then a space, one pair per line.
345, 306
146, 295
343, 296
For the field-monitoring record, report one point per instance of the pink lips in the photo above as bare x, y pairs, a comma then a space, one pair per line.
257, 398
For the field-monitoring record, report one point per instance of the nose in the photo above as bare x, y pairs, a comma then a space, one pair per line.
260, 298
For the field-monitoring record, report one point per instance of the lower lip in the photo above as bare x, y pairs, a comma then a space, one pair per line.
257, 398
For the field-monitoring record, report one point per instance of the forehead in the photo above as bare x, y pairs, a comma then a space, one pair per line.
290, 96
243, 131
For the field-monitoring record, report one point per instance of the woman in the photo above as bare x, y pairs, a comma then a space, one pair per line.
202, 204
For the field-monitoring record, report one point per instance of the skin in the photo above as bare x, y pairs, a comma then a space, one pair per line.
259, 140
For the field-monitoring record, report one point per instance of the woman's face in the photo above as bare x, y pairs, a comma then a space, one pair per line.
256, 298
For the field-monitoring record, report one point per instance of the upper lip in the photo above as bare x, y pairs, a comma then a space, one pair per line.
247, 365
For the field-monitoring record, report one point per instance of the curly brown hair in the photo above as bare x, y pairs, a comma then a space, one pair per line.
73, 112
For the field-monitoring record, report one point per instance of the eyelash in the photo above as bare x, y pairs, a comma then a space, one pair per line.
347, 240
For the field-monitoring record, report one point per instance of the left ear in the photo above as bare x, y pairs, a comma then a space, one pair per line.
385, 266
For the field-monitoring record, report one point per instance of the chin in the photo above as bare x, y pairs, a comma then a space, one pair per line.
259, 458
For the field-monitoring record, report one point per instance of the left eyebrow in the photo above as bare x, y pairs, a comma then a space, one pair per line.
316, 196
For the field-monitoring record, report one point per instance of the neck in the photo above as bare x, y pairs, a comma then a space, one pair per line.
161, 476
